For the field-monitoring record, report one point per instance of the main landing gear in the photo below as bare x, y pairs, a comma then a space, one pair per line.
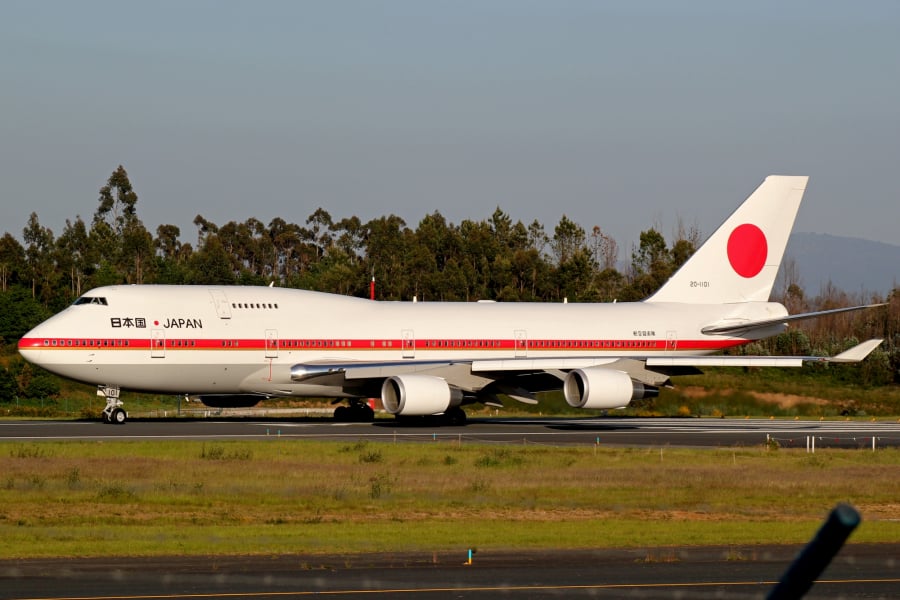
113, 412
357, 412
452, 417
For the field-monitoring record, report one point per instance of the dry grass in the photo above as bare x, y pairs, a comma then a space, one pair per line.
228, 497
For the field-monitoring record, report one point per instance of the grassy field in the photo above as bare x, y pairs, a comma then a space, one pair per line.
280, 496
809, 392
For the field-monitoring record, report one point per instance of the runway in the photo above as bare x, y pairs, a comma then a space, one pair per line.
723, 572
612, 431
863, 571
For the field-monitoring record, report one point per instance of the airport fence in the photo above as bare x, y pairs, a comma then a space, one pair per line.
812, 442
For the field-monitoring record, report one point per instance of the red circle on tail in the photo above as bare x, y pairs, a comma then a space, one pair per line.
747, 250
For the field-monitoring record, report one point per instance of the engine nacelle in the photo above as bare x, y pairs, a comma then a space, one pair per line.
418, 395
230, 400
598, 387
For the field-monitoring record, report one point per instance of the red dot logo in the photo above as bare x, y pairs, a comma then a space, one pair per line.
747, 250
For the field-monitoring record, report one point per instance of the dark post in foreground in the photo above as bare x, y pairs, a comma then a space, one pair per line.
800, 576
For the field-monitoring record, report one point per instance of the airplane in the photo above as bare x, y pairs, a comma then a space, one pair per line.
234, 346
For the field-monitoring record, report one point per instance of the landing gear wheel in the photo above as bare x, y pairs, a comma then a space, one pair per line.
118, 416
357, 412
361, 413
342, 414
455, 416
113, 411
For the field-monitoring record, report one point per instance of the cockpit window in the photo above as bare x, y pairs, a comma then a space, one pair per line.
91, 300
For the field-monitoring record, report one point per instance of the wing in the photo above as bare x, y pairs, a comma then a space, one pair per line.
854, 354
427, 387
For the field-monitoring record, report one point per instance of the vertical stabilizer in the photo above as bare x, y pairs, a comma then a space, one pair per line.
740, 261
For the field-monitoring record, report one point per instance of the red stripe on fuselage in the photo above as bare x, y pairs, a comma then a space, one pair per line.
423, 345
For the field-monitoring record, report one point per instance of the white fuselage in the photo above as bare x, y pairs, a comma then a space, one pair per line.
229, 340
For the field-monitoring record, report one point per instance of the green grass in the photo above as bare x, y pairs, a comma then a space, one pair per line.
743, 392
281, 496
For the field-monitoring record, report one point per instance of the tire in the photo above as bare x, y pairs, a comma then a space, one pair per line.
119, 417
361, 413
455, 416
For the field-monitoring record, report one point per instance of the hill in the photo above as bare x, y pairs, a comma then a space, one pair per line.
851, 264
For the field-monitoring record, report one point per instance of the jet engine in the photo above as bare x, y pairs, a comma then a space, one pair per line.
418, 395
597, 387
230, 400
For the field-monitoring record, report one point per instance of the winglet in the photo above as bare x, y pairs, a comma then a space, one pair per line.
856, 353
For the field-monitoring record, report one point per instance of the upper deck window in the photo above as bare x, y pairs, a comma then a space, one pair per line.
91, 300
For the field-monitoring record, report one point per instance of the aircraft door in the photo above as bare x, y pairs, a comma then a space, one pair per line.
271, 343
157, 343
671, 341
409, 343
521, 343
223, 308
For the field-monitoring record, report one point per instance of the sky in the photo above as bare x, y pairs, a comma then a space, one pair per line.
622, 114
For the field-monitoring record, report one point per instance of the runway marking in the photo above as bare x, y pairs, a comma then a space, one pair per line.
514, 588
537, 431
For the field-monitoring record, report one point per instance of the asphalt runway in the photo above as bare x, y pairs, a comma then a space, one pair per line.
612, 431
859, 571
862, 571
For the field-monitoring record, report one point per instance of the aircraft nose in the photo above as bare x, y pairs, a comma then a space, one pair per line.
30, 346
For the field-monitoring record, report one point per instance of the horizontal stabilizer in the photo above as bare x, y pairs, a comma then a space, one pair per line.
734, 327
854, 354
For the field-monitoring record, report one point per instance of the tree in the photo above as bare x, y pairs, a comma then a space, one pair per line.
39, 257
349, 239
204, 229
651, 265
75, 256
537, 237
479, 248
605, 249
19, 312
319, 231
118, 201
211, 265
12, 257
687, 240
137, 251
171, 256
9, 388
119, 236
568, 238
386, 252
248, 246
166, 243
574, 277
652, 255
35, 382
284, 240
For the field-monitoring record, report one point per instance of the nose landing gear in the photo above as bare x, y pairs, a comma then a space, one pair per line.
113, 412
